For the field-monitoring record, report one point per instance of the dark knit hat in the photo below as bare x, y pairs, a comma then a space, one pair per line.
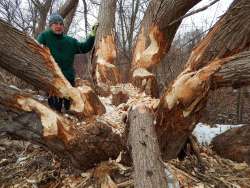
55, 18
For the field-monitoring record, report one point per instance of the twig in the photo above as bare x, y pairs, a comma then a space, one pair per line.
193, 12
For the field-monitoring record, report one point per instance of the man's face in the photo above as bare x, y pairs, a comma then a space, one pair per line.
57, 28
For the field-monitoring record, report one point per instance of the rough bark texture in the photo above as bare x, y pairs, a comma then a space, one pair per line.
225, 39
180, 106
105, 71
149, 171
235, 73
69, 17
85, 143
66, 8
156, 35
234, 144
25, 58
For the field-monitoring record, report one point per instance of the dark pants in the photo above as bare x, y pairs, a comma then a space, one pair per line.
56, 103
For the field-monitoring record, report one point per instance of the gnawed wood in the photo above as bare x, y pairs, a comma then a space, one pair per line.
149, 171
225, 39
233, 144
156, 35
85, 143
105, 70
180, 106
92, 104
25, 58
146, 82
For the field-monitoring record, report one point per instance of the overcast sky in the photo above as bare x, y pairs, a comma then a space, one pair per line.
208, 17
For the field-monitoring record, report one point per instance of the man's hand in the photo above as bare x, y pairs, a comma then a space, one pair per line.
94, 29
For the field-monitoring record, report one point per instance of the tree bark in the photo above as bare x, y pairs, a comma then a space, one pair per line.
25, 58
69, 17
156, 35
180, 106
104, 70
84, 143
66, 8
233, 144
43, 10
149, 171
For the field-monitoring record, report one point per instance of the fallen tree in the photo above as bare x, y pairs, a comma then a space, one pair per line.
233, 144
102, 137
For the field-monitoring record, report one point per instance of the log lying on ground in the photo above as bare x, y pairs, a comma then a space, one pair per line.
105, 71
234, 144
25, 58
156, 35
85, 143
149, 170
180, 106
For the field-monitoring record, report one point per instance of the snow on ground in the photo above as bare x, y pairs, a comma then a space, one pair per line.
204, 133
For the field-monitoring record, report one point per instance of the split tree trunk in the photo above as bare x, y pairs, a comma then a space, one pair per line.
155, 38
105, 70
180, 106
149, 171
25, 58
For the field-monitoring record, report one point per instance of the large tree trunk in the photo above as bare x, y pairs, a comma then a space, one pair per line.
234, 144
149, 170
85, 143
105, 70
25, 58
180, 106
155, 38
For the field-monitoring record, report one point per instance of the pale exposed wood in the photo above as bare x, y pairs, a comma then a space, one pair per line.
84, 143
149, 171
155, 36
25, 58
105, 54
225, 39
146, 82
180, 106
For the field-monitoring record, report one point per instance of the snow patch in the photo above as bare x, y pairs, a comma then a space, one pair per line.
204, 133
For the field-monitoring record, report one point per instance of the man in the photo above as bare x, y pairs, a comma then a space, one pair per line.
63, 49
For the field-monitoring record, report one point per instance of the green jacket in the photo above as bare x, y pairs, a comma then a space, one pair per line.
63, 48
